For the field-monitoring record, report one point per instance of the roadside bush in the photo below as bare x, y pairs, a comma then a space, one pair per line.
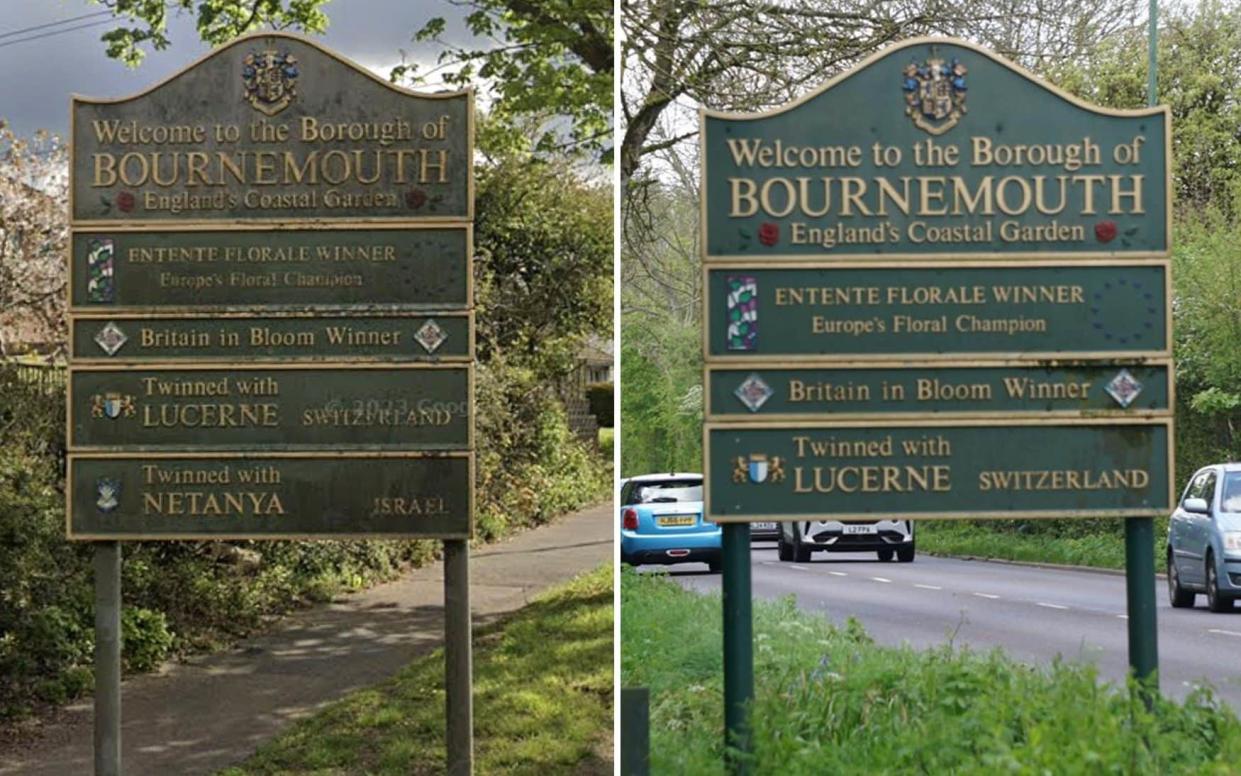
146, 638
829, 700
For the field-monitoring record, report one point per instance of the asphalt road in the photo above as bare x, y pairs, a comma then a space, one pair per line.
1034, 614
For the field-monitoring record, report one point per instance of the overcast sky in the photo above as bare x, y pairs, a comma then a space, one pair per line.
37, 76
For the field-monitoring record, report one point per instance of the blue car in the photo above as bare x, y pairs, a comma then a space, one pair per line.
661, 521
1204, 539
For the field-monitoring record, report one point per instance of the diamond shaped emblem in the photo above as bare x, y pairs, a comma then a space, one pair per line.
1124, 388
430, 336
753, 392
110, 338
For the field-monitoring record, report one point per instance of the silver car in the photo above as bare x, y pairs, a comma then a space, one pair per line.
887, 538
1204, 539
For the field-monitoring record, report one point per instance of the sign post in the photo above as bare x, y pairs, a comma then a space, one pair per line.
1140, 531
271, 317
935, 287
108, 658
738, 644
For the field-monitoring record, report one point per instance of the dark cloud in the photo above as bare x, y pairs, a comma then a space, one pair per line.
37, 77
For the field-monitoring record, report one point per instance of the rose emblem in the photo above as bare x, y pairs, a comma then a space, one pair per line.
125, 201
769, 233
1105, 231
415, 198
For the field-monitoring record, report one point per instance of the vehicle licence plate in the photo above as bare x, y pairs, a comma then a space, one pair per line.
676, 520
861, 529
763, 526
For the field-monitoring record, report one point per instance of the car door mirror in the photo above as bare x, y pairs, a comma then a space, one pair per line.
1198, 505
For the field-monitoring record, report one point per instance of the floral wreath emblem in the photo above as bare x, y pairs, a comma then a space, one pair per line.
934, 94
270, 80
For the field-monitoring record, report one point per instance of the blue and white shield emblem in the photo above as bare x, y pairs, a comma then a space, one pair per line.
112, 405
758, 469
107, 494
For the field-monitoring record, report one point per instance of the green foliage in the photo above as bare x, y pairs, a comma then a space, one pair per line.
1099, 543
145, 637
661, 405
530, 466
601, 398
543, 263
553, 58
542, 705
661, 344
1199, 78
218, 21
828, 700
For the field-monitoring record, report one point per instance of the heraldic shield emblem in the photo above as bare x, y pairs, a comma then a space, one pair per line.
758, 469
270, 80
934, 94
107, 494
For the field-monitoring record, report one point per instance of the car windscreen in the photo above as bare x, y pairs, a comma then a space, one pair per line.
665, 492
1230, 494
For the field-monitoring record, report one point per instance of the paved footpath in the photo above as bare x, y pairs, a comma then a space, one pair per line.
214, 711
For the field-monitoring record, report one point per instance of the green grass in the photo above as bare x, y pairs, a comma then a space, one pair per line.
828, 700
542, 701
1097, 545
607, 437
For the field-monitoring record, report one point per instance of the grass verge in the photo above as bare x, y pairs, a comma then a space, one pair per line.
1099, 546
828, 700
542, 701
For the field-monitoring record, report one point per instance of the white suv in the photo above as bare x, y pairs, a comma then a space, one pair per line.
889, 538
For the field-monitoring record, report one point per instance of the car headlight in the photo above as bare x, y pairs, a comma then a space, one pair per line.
1232, 541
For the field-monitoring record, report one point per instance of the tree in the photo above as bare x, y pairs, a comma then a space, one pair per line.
745, 55
33, 238
544, 262
1199, 79
218, 21
553, 58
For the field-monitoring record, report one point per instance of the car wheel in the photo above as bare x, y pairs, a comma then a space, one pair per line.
886, 554
905, 553
1179, 597
801, 552
1216, 601
784, 551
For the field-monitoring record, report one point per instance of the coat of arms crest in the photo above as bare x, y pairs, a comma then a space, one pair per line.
934, 94
270, 80
759, 468
108, 494
111, 405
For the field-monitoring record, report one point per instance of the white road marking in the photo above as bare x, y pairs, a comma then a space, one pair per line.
1052, 606
929, 587
838, 573
880, 579
986, 595
799, 568
1223, 632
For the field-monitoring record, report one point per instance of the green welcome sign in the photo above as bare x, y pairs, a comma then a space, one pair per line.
835, 312
936, 148
256, 496
273, 127
773, 391
945, 469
